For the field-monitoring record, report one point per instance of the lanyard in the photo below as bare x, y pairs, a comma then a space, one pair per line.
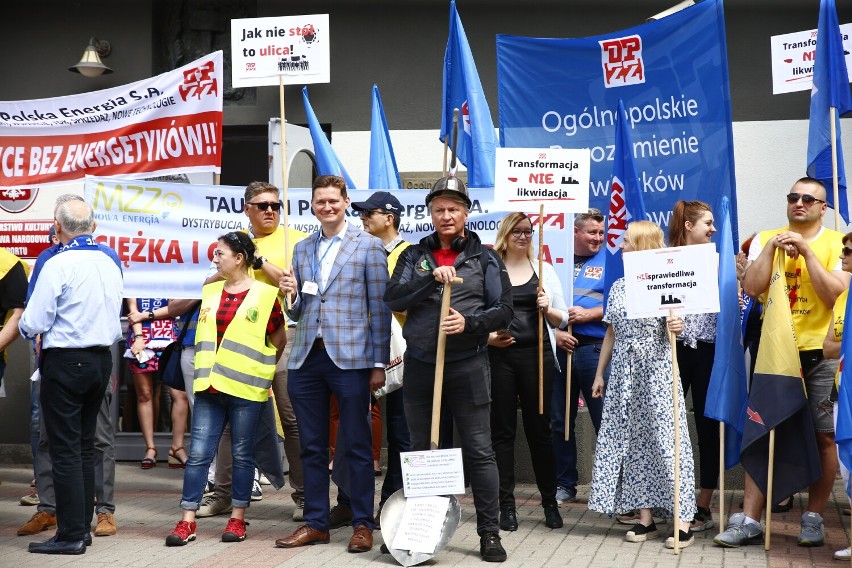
317, 265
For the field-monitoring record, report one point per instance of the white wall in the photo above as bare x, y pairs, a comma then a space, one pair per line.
769, 157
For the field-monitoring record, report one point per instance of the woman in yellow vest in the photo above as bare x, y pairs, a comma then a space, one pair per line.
831, 350
239, 338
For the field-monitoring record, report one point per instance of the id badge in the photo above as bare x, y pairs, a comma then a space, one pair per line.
310, 288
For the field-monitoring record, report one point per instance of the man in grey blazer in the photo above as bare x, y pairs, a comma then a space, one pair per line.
336, 283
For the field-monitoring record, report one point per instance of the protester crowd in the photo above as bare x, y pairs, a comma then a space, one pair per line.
289, 323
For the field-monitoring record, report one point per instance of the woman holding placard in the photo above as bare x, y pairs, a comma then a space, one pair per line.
634, 456
513, 354
691, 223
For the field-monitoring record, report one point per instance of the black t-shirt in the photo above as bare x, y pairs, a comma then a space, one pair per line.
13, 292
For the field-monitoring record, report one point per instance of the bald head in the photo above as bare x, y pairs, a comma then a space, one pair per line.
74, 218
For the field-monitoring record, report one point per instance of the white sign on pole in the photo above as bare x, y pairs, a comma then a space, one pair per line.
524, 178
295, 47
793, 59
432, 472
683, 279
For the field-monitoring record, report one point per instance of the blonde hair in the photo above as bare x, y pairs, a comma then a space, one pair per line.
644, 235
506, 225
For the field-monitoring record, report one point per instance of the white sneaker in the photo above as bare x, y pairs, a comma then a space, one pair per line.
299, 511
264, 480
844, 554
214, 505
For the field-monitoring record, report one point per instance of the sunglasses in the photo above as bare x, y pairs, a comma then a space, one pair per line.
265, 205
369, 213
793, 198
846, 251
517, 233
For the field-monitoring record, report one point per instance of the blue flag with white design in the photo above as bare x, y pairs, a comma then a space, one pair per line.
625, 200
831, 89
727, 394
383, 171
328, 163
477, 141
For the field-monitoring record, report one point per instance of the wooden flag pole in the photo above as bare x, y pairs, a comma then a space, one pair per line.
769, 481
832, 116
568, 389
285, 207
722, 476
675, 379
540, 313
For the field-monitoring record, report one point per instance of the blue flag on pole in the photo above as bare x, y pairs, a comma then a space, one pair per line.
831, 89
383, 171
727, 394
327, 162
625, 200
843, 431
462, 90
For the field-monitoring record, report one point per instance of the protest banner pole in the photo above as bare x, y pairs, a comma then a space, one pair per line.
722, 476
444, 167
832, 113
284, 184
540, 313
769, 480
675, 379
439, 365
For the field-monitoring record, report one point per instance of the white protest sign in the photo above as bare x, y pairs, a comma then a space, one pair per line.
793, 59
295, 47
432, 472
683, 279
558, 178
421, 524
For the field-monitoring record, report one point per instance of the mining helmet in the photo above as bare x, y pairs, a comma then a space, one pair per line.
449, 184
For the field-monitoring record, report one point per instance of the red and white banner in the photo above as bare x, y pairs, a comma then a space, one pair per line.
171, 123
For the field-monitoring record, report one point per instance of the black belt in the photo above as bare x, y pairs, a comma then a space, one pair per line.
93, 349
587, 339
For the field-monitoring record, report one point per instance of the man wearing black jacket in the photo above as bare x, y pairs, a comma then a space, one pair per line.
480, 305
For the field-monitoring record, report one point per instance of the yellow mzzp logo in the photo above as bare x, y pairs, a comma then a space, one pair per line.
135, 199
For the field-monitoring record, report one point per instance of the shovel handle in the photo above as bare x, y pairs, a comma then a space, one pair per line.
439, 364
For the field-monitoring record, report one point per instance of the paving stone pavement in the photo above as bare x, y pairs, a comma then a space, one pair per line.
147, 510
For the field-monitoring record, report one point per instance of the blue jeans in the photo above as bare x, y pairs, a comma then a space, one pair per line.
310, 388
210, 414
584, 364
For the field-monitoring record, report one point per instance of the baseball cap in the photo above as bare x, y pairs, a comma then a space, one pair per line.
380, 200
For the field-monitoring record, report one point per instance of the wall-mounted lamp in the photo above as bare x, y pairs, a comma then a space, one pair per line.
674, 9
90, 64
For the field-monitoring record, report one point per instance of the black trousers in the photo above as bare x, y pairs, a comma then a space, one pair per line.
72, 388
514, 377
695, 367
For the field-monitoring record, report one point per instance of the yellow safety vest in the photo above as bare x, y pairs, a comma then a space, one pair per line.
244, 363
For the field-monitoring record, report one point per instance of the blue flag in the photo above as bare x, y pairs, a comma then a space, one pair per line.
327, 162
843, 431
727, 395
477, 141
831, 89
383, 171
625, 200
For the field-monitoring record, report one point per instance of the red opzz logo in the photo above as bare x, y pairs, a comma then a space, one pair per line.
250, 66
621, 59
198, 81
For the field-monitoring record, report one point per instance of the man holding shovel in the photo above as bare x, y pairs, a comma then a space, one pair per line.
480, 305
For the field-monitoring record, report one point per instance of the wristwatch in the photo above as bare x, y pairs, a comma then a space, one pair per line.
151, 315
258, 262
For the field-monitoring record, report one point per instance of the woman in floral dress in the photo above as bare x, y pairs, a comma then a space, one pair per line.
634, 457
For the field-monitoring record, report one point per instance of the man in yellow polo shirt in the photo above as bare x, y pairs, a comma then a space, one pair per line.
814, 281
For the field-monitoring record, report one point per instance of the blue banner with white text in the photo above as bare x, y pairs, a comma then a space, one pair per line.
672, 75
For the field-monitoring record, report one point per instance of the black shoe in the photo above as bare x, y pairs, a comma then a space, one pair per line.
53, 546
490, 548
552, 518
509, 519
783, 507
88, 539
340, 516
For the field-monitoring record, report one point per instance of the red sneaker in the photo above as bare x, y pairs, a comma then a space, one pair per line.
235, 531
183, 533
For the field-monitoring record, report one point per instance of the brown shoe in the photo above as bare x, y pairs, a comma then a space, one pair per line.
339, 516
39, 522
303, 536
106, 525
362, 540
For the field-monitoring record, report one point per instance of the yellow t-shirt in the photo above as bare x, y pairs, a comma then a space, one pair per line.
272, 247
810, 315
